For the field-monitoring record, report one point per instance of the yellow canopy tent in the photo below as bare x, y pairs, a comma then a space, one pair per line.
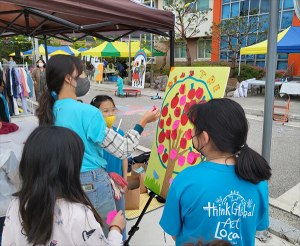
261, 48
114, 49
13, 54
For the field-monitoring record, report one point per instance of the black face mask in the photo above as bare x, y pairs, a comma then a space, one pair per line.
199, 150
83, 86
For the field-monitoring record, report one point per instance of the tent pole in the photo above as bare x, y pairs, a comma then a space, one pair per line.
46, 49
37, 51
239, 77
140, 41
129, 71
33, 50
172, 36
270, 78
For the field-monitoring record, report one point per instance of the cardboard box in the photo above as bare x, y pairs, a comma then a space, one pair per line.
136, 166
132, 194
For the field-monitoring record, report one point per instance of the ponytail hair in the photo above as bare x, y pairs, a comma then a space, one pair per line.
225, 122
58, 67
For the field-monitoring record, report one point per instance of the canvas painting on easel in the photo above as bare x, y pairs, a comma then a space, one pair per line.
172, 149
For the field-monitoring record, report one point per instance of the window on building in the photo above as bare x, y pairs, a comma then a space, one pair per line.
283, 56
235, 9
180, 51
264, 6
244, 7
253, 23
282, 65
204, 49
202, 5
260, 64
226, 1
251, 39
261, 56
254, 4
225, 11
287, 19
262, 20
288, 4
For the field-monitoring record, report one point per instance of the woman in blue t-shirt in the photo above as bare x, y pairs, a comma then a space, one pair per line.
114, 165
59, 106
226, 196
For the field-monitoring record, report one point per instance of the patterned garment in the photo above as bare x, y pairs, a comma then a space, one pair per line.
74, 224
43, 82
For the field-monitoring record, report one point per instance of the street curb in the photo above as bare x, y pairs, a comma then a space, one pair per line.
284, 231
257, 112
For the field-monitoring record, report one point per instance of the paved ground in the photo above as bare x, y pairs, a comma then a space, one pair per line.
285, 159
285, 154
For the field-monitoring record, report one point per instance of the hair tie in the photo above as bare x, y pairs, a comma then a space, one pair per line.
244, 145
94, 99
54, 95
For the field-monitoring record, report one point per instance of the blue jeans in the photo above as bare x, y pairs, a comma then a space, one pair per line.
101, 195
120, 205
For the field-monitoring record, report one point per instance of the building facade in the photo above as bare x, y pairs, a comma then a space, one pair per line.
226, 9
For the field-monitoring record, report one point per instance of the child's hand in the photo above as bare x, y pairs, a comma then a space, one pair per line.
149, 116
119, 220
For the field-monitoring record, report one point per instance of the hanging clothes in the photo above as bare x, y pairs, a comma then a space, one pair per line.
4, 114
16, 109
30, 84
24, 92
26, 80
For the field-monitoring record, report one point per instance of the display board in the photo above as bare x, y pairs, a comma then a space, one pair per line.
139, 69
172, 149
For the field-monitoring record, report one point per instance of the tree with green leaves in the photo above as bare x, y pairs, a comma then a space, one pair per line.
188, 21
231, 34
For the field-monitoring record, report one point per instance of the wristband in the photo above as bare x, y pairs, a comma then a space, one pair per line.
115, 226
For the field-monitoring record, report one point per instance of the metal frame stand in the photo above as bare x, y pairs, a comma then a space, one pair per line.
135, 228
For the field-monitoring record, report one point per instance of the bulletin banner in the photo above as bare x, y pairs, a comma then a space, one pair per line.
172, 149
139, 69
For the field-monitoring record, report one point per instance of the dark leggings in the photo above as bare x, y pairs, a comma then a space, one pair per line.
1, 227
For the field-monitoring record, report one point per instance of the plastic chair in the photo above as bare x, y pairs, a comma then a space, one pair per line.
281, 117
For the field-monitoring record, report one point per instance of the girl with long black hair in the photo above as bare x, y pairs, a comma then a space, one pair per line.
226, 196
51, 207
59, 106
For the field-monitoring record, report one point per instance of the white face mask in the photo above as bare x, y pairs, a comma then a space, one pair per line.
41, 64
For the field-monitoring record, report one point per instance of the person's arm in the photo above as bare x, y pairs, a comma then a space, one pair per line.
121, 147
33, 76
87, 231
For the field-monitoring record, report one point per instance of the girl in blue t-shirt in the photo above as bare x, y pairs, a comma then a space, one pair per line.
226, 196
108, 109
59, 106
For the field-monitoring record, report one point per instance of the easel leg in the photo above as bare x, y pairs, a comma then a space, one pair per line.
135, 228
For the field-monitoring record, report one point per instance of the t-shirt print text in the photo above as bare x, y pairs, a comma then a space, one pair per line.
231, 210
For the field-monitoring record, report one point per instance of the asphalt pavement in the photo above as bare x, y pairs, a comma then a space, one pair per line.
285, 149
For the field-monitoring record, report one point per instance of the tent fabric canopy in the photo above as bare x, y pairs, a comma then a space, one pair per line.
114, 49
65, 50
66, 18
118, 49
288, 41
